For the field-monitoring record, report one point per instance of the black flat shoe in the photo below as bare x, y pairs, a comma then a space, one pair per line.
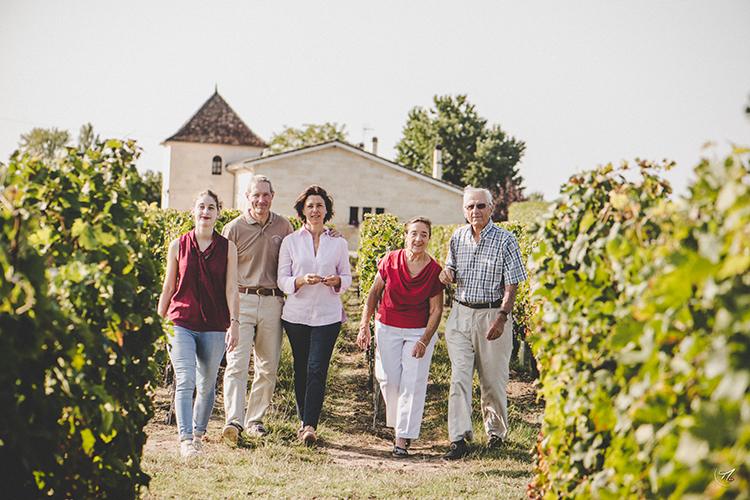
496, 443
458, 449
400, 452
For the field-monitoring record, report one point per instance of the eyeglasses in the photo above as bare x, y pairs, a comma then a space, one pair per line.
480, 206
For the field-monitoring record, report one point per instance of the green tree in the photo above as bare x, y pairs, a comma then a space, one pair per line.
152, 182
536, 196
45, 142
86, 137
293, 138
473, 152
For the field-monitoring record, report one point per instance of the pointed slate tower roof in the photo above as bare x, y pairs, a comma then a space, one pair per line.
217, 123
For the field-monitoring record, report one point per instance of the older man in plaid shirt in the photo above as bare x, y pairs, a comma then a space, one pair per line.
485, 263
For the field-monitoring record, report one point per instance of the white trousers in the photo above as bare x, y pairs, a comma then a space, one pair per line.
261, 333
402, 377
469, 349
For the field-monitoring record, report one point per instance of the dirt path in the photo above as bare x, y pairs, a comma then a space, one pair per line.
348, 410
361, 446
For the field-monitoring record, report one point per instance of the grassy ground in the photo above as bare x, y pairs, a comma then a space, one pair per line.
352, 458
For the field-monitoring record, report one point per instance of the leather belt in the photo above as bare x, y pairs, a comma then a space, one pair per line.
483, 305
259, 290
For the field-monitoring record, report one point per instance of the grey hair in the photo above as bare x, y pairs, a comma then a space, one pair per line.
259, 178
471, 189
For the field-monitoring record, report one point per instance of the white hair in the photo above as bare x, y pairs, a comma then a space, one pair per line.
259, 178
471, 189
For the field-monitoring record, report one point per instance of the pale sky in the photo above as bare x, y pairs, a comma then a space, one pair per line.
581, 82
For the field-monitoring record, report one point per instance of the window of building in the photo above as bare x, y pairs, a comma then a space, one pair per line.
355, 218
216, 165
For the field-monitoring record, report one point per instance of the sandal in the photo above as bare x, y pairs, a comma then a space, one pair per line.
400, 452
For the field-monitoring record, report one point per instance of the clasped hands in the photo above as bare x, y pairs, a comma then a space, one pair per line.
314, 279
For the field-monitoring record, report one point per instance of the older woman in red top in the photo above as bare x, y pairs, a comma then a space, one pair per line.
201, 298
411, 302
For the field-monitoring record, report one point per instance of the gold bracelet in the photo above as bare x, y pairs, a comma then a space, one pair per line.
420, 342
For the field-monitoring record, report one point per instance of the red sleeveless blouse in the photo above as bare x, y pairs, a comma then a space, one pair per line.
200, 302
406, 300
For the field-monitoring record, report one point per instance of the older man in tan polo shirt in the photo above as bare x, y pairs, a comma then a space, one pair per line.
257, 234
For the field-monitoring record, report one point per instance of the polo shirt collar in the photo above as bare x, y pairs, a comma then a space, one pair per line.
251, 220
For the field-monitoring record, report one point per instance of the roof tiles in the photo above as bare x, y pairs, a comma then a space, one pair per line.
217, 123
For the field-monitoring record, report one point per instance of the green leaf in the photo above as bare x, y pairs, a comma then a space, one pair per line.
88, 440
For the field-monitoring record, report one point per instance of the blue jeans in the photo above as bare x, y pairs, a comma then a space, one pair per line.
196, 357
312, 347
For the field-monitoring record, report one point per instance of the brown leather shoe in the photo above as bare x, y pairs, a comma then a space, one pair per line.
308, 435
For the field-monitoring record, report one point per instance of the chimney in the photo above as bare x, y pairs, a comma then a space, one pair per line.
361, 146
437, 162
375, 146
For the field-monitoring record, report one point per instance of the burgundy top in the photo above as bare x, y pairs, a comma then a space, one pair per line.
200, 302
406, 300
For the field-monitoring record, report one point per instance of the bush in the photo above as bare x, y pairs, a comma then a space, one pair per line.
78, 325
526, 212
643, 336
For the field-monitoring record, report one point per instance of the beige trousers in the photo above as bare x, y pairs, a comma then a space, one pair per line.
260, 324
469, 349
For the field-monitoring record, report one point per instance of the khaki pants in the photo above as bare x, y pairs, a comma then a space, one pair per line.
469, 349
260, 323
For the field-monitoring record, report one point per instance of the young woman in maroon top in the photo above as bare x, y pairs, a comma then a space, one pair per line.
411, 302
200, 297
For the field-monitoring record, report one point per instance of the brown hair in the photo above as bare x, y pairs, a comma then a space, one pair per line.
419, 218
314, 190
209, 193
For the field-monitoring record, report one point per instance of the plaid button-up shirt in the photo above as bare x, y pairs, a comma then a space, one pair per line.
484, 269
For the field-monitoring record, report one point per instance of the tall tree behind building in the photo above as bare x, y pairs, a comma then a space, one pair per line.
473, 152
293, 138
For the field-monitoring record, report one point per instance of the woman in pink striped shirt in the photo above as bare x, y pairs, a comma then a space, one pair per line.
313, 272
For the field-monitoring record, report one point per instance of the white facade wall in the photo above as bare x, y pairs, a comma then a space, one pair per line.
189, 172
353, 180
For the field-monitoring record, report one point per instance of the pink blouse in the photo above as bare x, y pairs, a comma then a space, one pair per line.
313, 305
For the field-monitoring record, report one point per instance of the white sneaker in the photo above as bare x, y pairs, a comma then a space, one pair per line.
187, 450
198, 445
